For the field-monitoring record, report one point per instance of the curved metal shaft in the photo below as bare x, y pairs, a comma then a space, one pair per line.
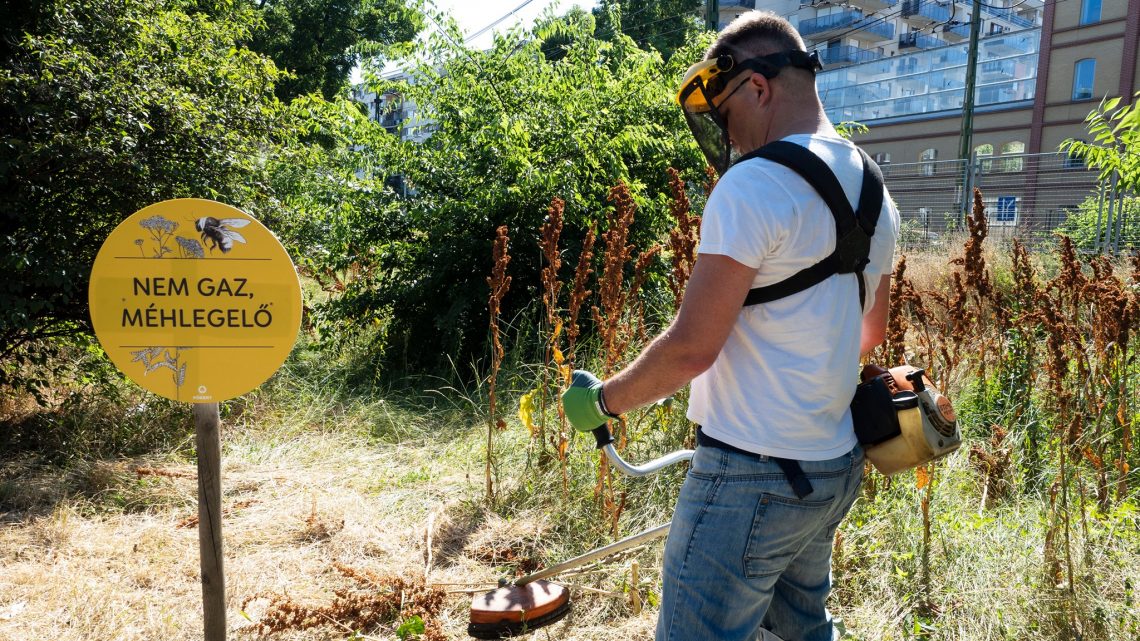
646, 468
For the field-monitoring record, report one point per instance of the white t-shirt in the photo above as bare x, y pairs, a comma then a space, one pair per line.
782, 384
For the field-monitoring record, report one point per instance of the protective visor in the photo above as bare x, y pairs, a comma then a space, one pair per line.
709, 83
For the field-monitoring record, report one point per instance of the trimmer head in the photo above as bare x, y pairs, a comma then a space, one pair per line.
517, 609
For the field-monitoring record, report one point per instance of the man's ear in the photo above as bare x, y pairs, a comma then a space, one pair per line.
763, 88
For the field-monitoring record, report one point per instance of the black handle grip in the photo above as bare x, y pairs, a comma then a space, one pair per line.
602, 435
915, 379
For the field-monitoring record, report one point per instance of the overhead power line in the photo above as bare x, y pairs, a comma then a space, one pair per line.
496, 22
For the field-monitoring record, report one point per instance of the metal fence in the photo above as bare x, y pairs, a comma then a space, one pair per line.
1026, 196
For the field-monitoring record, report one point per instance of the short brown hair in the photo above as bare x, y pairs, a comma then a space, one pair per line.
756, 33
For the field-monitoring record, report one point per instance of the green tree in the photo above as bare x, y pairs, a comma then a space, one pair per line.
512, 130
320, 41
111, 105
664, 25
1115, 151
1115, 145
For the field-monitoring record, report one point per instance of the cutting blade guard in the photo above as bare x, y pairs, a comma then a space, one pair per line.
531, 602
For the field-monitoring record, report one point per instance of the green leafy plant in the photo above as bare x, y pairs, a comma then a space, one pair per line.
511, 130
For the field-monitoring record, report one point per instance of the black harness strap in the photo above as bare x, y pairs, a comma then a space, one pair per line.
853, 229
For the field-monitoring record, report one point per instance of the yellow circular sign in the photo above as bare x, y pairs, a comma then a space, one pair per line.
195, 300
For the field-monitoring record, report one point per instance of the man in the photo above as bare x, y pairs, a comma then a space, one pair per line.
749, 551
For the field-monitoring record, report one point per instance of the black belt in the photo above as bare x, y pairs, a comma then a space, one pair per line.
791, 468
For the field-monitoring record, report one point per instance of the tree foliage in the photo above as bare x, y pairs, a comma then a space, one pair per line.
664, 25
320, 41
1115, 145
513, 128
111, 105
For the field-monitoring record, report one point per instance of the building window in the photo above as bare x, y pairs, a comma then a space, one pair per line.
1073, 161
883, 158
1015, 149
1090, 11
927, 158
984, 154
1083, 73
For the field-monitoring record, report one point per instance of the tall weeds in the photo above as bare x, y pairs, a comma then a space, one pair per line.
499, 283
683, 238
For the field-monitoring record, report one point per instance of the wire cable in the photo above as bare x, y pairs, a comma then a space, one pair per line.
487, 28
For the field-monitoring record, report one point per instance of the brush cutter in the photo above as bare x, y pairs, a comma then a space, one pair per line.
530, 602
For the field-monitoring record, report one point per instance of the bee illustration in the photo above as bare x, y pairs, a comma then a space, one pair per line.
219, 233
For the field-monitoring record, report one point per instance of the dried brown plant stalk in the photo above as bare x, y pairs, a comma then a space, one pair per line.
1025, 284
613, 331
499, 283
579, 293
683, 238
640, 274
551, 286
608, 315
995, 462
902, 295
370, 602
711, 179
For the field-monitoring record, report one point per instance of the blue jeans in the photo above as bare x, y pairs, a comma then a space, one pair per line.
745, 553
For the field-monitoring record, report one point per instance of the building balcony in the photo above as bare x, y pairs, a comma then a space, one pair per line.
997, 70
924, 12
823, 27
850, 22
846, 54
873, 29
956, 33
737, 4
873, 5
919, 41
1008, 15
1007, 45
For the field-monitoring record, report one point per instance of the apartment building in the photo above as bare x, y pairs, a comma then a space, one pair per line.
396, 113
899, 67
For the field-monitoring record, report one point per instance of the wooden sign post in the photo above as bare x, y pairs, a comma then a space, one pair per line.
208, 440
196, 301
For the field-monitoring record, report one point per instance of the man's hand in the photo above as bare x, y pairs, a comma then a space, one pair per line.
583, 402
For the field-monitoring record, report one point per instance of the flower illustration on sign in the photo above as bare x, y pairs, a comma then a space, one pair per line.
159, 357
161, 229
190, 247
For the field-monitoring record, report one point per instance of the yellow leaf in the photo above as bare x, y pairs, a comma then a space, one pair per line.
557, 330
565, 369
922, 477
558, 357
526, 412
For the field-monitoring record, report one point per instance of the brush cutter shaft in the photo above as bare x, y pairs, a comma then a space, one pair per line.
605, 442
599, 553
646, 468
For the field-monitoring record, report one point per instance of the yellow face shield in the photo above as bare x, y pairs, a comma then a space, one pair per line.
709, 83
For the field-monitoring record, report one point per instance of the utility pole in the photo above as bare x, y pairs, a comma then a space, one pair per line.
712, 14
971, 79
965, 151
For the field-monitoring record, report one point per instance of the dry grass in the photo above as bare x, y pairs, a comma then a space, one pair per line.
305, 518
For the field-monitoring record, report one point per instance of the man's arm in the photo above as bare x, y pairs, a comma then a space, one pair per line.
875, 321
713, 299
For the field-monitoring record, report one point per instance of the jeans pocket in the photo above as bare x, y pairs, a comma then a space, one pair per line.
781, 527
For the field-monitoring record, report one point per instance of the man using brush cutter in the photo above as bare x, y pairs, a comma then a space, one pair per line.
790, 289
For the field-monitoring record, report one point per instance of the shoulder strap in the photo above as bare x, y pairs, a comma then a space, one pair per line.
853, 229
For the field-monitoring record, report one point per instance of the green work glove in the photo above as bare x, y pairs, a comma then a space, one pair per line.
583, 402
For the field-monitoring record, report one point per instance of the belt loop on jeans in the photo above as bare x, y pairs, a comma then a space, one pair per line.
791, 469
